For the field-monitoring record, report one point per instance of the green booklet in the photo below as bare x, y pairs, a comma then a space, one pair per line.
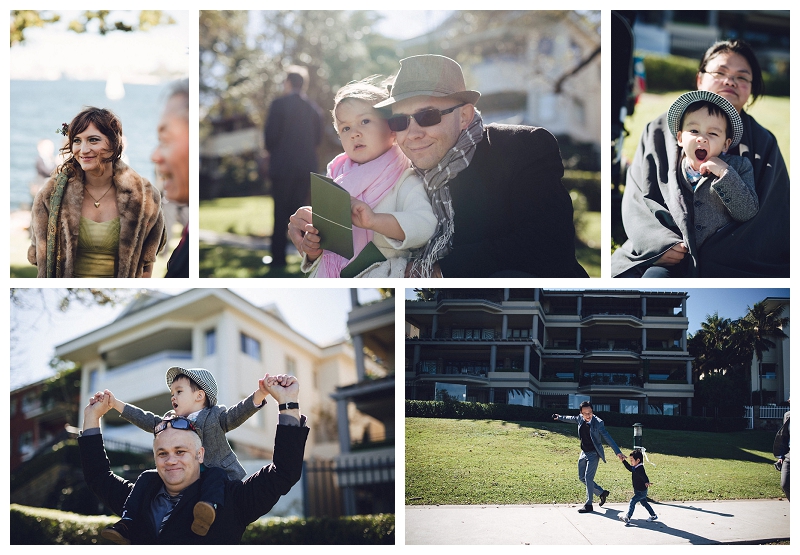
368, 256
330, 204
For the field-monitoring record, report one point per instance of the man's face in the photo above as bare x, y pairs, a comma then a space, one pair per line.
178, 454
171, 156
586, 413
426, 146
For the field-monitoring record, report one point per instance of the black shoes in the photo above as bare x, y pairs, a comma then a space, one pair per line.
586, 509
118, 533
603, 497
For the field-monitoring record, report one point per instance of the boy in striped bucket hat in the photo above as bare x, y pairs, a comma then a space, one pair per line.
194, 407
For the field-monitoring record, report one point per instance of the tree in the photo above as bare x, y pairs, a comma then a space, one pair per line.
21, 20
760, 325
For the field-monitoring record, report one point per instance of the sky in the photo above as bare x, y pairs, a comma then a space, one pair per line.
52, 51
729, 303
41, 328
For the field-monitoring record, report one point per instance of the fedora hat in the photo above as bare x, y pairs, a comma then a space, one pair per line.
201, 377
429, 75
678, 108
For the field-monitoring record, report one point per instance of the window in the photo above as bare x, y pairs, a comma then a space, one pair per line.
250, 346
211, 341
456, 392
291, 366
524, 398
672, 409
627, 406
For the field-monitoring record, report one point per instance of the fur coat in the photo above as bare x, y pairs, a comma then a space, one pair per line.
142, 232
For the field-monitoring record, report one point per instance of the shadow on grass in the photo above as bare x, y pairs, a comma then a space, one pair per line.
236, 262
735, 446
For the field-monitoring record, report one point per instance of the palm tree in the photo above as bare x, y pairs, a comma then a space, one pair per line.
761, 324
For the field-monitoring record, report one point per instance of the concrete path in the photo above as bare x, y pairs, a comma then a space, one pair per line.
695, 522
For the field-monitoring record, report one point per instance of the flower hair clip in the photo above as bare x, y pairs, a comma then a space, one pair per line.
64, 129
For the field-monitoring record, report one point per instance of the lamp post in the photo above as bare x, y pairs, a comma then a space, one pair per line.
637, 436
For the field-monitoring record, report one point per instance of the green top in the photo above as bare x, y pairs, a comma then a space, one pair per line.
98, 249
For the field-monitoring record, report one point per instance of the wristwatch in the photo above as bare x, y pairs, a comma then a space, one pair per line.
287, 406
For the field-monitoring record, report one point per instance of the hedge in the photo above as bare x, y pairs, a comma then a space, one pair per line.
36, 526
676, 73
518, 413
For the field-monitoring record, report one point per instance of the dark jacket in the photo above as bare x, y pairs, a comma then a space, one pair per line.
638, 477
656, 214
291, 136
512, 214
597, 430
178, 264
244, 501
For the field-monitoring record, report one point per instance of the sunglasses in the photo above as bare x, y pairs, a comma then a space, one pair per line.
177, 422
424, 118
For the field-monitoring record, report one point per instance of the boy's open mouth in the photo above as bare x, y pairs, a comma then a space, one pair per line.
700, 154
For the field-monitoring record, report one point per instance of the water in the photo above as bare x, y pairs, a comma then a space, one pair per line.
39, 107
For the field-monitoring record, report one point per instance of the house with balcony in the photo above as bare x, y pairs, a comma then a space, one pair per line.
624, 351
239, 343
365, 412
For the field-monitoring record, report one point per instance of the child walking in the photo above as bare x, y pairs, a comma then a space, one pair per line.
640, 484
715, 188
194, 398
389, 204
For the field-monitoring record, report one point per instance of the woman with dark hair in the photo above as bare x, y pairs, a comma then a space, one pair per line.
657, 213
95, 217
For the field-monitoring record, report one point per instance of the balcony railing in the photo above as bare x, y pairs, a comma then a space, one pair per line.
616, 345
620, 380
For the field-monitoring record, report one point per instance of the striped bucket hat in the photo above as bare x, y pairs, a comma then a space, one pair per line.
201, 376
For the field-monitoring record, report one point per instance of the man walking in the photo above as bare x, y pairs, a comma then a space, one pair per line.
590, 431
291, 136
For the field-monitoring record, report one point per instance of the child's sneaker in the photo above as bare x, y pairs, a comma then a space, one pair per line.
119, 533
204, 515
624, 518
652, 518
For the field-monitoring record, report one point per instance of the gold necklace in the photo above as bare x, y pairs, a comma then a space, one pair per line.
97, 200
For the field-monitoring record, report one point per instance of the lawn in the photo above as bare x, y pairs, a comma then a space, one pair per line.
253, 216
472, 462
771, 112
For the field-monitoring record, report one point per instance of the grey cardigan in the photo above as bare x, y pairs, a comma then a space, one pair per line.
719, 201
212, 424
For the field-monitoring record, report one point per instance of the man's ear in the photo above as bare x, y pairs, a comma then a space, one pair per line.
201, 454
467, 115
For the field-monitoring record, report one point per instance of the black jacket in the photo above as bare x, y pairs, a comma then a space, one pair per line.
512, 214
244, 501
639, 476
291, 135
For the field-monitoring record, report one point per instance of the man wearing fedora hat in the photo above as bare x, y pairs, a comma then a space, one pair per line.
496, 189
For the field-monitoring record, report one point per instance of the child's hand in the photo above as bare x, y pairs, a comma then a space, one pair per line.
713, 166
648, 484
263, 388
361, 214
114, 402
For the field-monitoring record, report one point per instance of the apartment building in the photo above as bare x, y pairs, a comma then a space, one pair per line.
625, 351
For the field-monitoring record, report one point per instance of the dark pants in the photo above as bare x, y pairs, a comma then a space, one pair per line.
212, 489
288, 194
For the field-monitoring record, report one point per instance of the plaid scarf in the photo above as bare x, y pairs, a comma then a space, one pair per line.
436, 185
54, 266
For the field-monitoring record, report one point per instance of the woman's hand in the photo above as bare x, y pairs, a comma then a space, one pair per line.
672, 256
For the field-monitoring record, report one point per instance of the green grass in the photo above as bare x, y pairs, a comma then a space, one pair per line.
588, 232
239, 215
771, 112
470, 462
236, 262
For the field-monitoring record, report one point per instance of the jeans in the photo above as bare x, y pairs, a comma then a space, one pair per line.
587, 468
640, 497
785, 476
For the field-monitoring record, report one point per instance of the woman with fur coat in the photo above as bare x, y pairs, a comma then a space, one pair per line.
95, 217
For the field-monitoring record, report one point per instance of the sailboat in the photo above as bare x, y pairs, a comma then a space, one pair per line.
115, 90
